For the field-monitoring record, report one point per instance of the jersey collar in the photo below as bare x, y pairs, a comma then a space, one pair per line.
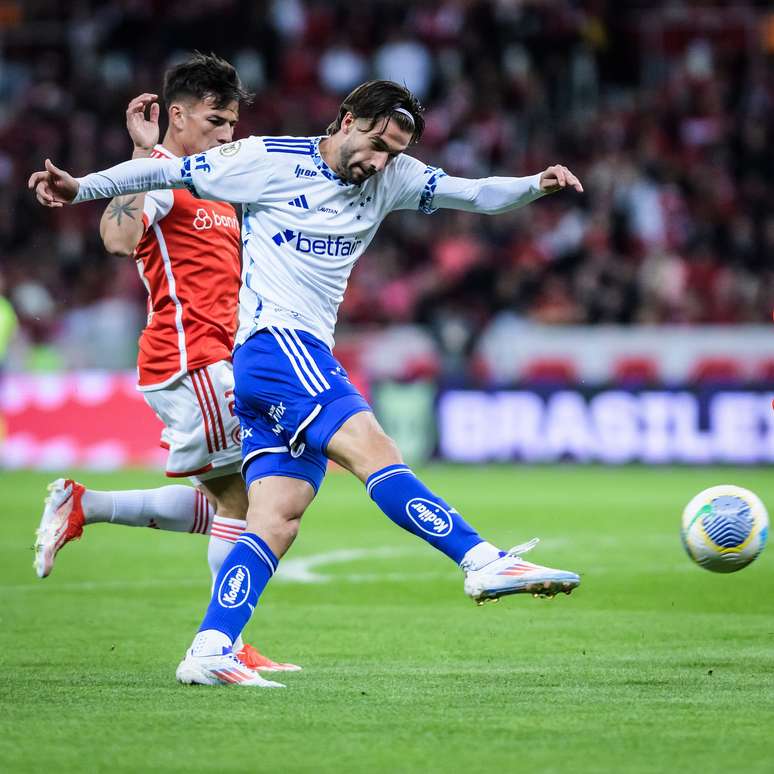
322, 166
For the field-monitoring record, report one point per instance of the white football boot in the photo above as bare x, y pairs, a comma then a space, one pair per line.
225, 669
61, 522
510, 574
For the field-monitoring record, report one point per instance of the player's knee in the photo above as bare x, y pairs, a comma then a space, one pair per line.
278, 526
383, 446
362, 447
232, 508
227, 496
377, 451
289, 528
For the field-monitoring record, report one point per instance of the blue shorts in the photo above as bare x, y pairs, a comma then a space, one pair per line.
291, 396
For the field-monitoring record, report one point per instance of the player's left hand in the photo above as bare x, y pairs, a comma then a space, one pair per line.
557, 177
143, 131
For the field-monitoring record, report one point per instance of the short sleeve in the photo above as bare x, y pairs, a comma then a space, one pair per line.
414, 184
237, 172
156, 206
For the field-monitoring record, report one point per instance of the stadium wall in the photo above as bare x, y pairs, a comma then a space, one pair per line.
534, 394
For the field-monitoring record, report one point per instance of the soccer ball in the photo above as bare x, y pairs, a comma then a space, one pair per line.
724, 528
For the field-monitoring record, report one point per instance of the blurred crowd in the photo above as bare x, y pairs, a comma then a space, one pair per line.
665, 111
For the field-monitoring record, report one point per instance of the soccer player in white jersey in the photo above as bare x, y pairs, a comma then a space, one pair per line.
311, 206
188, 254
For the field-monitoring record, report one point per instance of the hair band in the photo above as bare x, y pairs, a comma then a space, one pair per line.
405, 112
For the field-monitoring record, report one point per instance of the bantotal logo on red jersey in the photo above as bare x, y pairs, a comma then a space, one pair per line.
206, 219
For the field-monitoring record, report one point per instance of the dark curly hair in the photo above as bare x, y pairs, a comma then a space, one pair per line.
202, 76
376, 100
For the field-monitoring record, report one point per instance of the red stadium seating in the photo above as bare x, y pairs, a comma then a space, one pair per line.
550, 371
636, 370
717, 370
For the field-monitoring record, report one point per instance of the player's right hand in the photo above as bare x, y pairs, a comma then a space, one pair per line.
143, 131
54, 187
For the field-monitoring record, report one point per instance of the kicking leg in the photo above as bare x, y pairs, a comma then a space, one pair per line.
362, 447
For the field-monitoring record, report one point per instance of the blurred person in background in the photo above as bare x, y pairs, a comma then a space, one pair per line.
9, 323
646, 121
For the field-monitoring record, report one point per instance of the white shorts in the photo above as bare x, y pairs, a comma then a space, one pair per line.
200, 431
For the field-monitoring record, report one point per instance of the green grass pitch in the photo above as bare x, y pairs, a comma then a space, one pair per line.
653, 665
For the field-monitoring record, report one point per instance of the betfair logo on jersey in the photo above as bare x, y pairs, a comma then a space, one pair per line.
207, 219
305, 244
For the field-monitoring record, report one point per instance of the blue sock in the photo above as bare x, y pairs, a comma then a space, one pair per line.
241, 580
411, 505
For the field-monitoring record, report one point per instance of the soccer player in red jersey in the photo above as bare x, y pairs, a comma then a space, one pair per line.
187, 252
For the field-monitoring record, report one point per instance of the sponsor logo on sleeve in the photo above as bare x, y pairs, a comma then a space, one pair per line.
430, 517
200, 163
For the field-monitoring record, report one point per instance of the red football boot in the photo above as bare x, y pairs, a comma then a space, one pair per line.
251, 658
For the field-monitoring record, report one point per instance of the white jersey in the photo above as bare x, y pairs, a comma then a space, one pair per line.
303, 227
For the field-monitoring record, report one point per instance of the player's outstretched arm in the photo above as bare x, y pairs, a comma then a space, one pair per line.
55, 187
493, 195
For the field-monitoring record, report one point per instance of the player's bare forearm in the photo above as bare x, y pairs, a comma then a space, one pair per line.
121, 226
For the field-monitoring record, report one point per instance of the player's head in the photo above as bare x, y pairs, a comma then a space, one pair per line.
376, 123
202, 96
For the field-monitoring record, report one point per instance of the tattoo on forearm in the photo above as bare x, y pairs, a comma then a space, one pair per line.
120, 206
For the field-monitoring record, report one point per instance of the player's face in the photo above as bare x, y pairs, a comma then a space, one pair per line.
364, 153
202, 126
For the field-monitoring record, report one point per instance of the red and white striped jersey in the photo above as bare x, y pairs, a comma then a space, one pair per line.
189, 260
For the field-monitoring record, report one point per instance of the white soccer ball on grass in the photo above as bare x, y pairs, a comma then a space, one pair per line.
725, 528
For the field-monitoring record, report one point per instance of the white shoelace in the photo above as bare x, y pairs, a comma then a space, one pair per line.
522, 548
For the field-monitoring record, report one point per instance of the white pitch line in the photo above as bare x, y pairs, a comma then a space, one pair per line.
301, 569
